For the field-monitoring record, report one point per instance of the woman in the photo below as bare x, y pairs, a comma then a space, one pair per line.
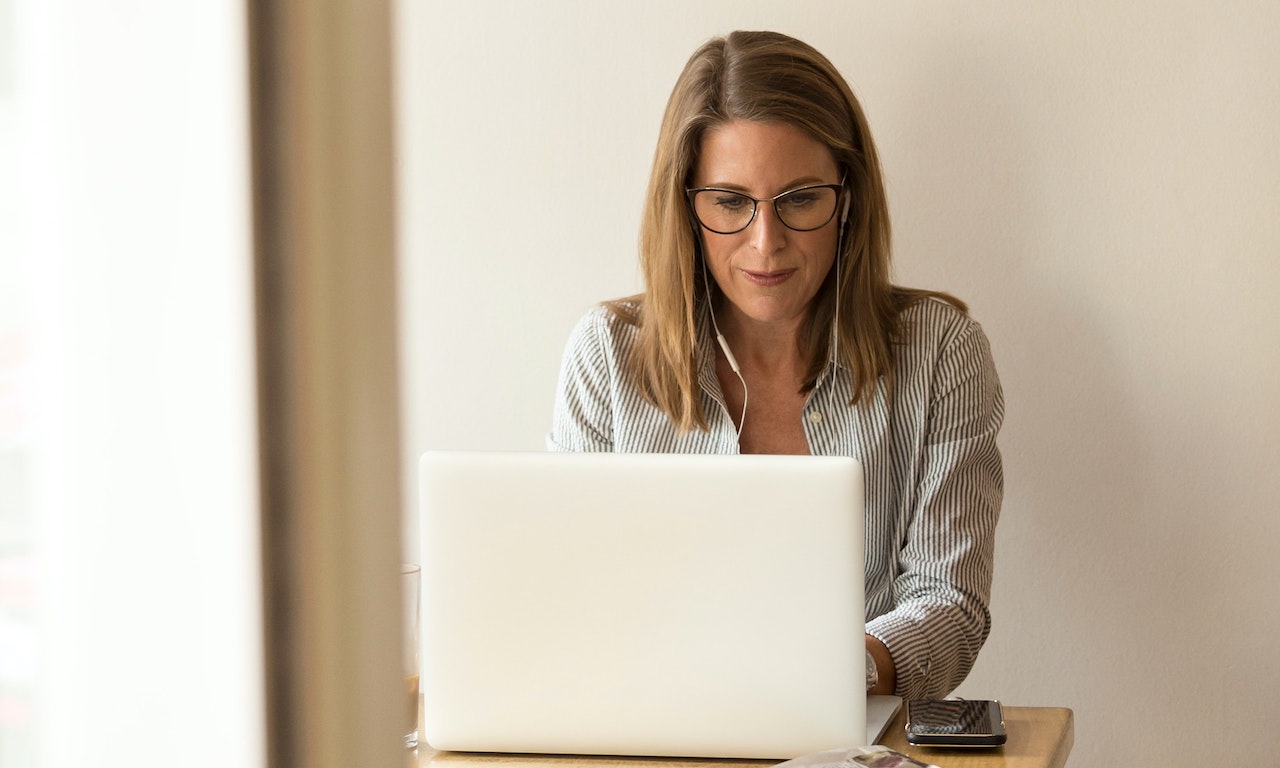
769, 325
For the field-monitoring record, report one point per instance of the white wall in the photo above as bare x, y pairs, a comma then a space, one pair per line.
1100, 180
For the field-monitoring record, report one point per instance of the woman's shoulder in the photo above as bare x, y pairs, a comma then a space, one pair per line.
934, 318
614, 315
610, 324
933, 327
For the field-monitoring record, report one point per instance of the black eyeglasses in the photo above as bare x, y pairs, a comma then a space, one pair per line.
727, 212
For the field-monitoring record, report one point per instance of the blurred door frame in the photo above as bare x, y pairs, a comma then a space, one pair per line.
329, 419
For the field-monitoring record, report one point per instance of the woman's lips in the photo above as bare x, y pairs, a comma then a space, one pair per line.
768, 279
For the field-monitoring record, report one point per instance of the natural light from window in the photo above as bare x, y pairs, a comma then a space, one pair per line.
130, 625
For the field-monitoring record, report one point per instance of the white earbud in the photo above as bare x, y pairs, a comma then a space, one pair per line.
844, 214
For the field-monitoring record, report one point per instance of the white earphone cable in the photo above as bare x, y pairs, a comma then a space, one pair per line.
724, 347
835, 314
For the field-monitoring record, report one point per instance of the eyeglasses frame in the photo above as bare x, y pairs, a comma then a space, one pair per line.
755, 205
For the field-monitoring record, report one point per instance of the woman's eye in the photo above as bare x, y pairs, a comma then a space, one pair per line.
799, 200
730, 202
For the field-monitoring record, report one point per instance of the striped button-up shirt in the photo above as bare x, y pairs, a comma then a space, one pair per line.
934, 479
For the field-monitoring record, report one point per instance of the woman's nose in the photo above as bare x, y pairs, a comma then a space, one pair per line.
768, 233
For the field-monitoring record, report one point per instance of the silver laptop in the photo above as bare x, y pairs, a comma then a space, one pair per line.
643, 604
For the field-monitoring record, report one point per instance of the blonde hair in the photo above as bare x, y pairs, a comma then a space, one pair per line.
762, 77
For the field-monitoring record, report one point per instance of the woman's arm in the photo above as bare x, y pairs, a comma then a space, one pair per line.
942, 590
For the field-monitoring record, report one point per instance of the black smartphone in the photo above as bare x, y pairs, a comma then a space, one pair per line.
955, 723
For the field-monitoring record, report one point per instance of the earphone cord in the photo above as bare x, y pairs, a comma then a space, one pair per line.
835, 314
724, 347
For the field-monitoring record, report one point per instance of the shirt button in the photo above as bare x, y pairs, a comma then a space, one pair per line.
815, 417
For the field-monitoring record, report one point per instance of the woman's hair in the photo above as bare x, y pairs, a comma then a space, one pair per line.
762, 77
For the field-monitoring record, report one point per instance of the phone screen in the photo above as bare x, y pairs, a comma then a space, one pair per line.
957, 723
953, 716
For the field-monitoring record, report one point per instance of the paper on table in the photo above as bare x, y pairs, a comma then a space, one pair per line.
857, 757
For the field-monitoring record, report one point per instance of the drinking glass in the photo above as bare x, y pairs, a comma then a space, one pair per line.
410, 586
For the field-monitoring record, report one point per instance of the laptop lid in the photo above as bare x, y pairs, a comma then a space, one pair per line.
642, 604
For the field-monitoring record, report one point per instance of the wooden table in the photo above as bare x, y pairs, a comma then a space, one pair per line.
1039, 737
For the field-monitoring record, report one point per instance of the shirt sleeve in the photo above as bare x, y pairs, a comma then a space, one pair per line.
582, 419
941, 615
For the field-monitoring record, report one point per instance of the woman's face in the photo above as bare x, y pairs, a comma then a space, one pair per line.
768, 272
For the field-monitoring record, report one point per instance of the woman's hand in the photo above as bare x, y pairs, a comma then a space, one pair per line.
884, 666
